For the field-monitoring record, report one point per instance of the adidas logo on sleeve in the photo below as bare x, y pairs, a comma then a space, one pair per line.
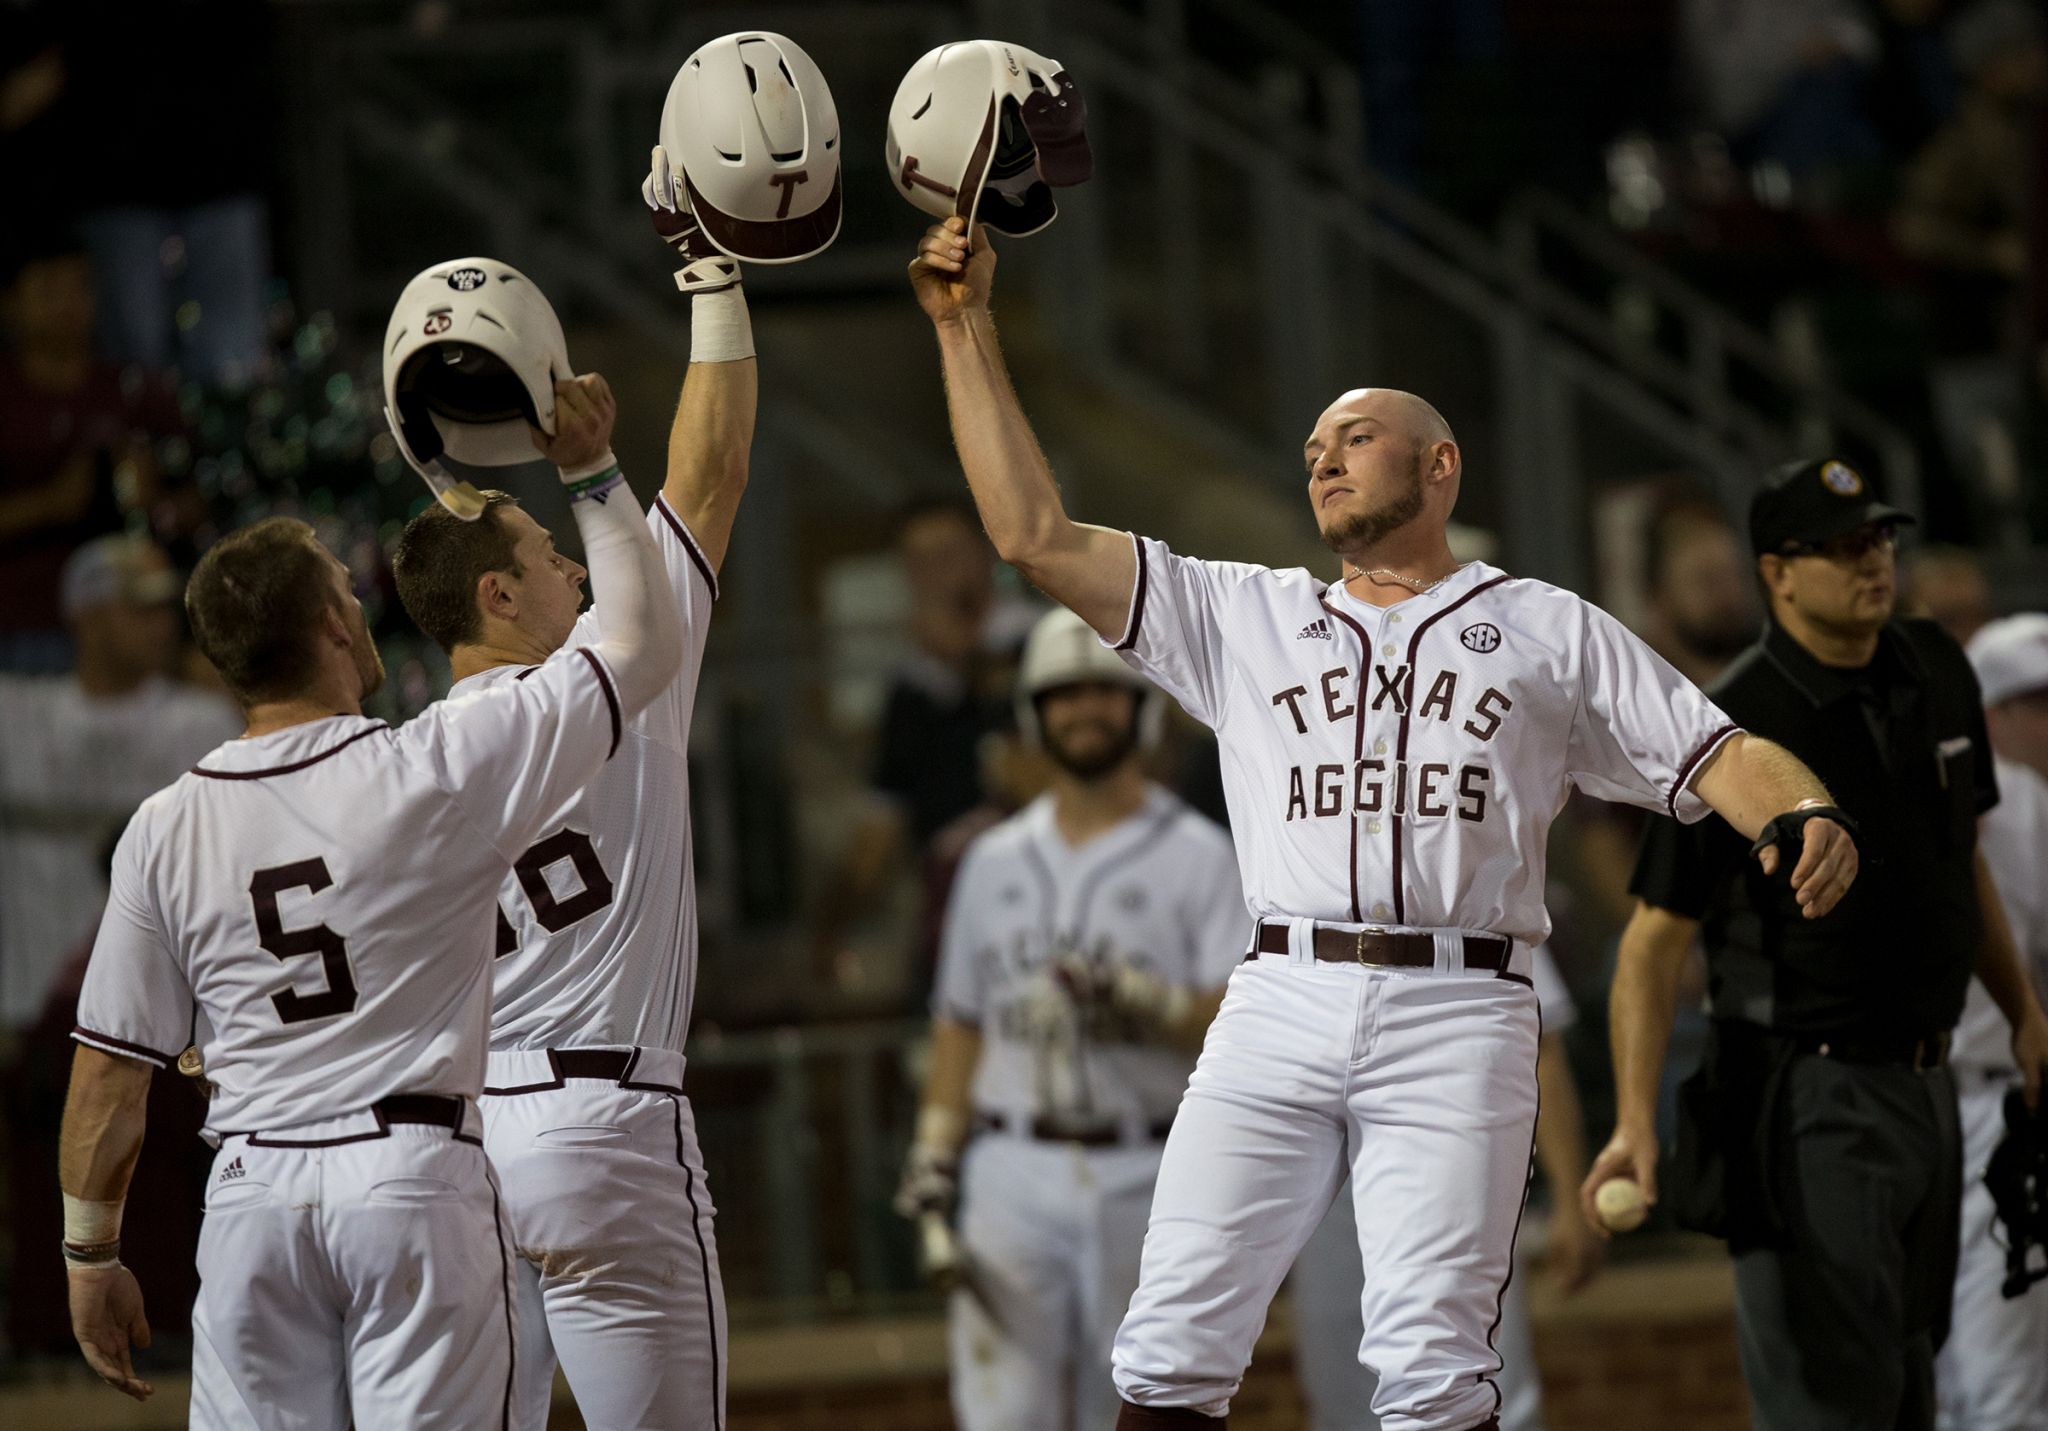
1316, 630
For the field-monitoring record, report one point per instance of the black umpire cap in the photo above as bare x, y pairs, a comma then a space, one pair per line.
1806, 503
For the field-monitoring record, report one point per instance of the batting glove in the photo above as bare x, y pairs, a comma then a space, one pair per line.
1145, 1001
931, 1182
705, 269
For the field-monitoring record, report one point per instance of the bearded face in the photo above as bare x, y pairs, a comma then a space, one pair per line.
1361, 525
1091, 728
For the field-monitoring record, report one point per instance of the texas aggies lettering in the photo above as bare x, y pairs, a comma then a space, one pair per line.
1429, 790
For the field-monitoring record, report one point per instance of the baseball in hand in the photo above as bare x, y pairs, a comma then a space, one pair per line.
1620, 1205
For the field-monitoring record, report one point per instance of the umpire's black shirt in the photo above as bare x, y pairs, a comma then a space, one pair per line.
1901, 746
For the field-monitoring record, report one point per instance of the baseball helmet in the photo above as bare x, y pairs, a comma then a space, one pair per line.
1063, 650
986, 130
471, 359
751, 124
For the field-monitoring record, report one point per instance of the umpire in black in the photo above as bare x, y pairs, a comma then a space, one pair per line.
1819, 1136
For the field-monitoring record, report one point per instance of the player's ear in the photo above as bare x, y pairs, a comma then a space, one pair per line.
495, 597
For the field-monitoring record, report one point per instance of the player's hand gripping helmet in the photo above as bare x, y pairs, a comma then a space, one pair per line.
1063, 650
751, 125
986, 130
471, 360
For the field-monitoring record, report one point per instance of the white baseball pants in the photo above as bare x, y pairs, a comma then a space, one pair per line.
1992, 1372
616, 1268
1426, 1083
1051, 1233
365, 1281
1327, 1286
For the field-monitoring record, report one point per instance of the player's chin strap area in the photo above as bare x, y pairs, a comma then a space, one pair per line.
1443, 951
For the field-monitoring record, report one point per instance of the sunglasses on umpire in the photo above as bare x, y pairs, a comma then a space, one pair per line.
1849, 547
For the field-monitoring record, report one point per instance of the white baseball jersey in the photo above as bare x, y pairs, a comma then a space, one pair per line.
2013, 835
597, 923
324, 895
1402, 766
1159, 892
73, 768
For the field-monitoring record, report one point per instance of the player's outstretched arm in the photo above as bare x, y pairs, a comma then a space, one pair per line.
643, 632
1090, 570
1639, 1013
101, 1138
713, 430
1762, 789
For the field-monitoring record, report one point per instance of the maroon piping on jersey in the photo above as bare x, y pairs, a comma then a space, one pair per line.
1358, 737
1137, 599
675, 524
93, 1036
1401, 741
1685, 770
611, 696
294, 766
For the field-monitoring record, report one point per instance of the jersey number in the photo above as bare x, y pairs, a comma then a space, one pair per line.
339, 997
555, 915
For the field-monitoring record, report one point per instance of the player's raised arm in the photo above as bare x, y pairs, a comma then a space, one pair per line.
643, 634
102, 1136
713, 430
1091, 570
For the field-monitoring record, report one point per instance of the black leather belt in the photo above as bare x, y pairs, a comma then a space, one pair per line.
1373, 946
1917, 1052
1053, 1130
433, 1109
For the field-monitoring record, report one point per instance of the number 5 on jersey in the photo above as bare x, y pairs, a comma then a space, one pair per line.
550, 912
294, 1007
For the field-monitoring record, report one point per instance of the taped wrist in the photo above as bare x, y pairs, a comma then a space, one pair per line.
940, 1132
593, 481
92, 1230
1788, 830
720, 330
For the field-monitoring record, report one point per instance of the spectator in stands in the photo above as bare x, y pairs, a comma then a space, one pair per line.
1949, 585
1703, 607
75, 449
1963, 209
1782, 80
173, 98
952, 692
83, 750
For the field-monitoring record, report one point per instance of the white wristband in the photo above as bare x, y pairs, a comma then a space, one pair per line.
591, 468
720, 331
92, 1224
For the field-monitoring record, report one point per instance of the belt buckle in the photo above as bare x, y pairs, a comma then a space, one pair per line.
1358, 943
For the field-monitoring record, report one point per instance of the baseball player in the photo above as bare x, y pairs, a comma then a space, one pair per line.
1326, 1281
1085, 949
1394, 745
322, 889
1992, 1372
585, 1118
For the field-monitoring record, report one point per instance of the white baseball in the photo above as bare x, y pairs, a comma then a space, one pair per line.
1619, 1201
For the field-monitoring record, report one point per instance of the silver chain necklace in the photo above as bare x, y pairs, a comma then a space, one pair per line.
1413, 582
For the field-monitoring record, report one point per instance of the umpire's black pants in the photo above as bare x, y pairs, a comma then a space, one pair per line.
1839, 1324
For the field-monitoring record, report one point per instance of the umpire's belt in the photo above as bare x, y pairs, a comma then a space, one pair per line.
1919, 1052
1060, 1130
1408, 949
541, 1070
432, 1110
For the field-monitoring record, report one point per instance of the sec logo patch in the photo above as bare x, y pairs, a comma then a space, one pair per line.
1842, 479
1483, 637
466, 280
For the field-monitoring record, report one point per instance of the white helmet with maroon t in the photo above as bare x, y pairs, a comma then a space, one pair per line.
985, 130
751, 124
